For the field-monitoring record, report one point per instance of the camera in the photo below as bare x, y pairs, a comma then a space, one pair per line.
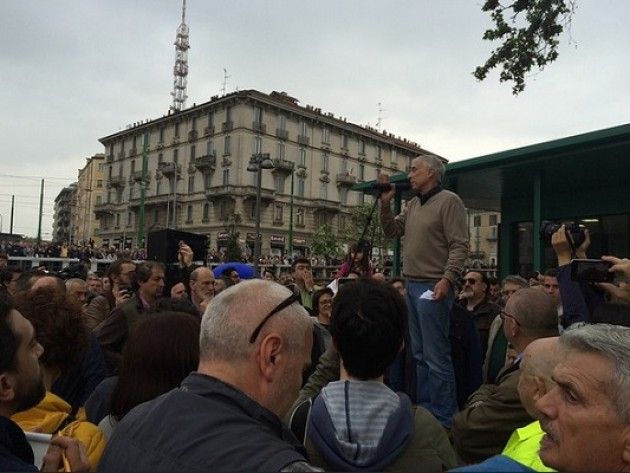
547, 229
591, 270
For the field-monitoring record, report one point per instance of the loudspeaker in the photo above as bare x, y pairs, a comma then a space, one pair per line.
162, 245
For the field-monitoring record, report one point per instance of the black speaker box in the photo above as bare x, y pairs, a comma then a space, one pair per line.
162, 245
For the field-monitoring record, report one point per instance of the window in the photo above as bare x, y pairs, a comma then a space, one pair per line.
131, 191
226, 177
492, 220
343, 195
193, 123
302, 157
129, 219
210, 118
303, 128
257, 147
176, 129
280, 150
192, 153
206, 212
189, 214
282, 122
175, 155
253, 178
361, 172
258, 114
122, 147
394, 157
325, 162
228, 113
210, 148
207, 180
133, 166
160, 158
277, 213
300, 216
156, 215
161, 134
379, 152
344, 141
99, 199
226, 146
252, 210
109, 172
361, 147
342, 223
278, 182
301, 187
344, 165
323, 190
99, 183
223, 210
191, 183
326, 136
476, 220
117, 220
158, 186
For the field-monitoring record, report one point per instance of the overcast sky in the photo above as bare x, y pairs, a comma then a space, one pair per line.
74, 71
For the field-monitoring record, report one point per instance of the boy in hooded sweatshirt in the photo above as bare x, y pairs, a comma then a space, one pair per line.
358, 423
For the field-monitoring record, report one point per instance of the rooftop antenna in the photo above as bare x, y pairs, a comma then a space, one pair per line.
225, 81
379, 120
180, 71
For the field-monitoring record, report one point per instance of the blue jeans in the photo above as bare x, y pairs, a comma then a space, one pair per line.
429, 324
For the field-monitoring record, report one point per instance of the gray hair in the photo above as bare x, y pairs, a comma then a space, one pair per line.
435, 163
515, 279
74, 282
232, 316
611, 342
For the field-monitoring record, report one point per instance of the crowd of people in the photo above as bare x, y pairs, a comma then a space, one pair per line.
168, 368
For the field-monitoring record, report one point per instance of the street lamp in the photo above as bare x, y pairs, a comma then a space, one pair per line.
257, 163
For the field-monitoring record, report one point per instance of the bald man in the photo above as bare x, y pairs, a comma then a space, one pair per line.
201, 287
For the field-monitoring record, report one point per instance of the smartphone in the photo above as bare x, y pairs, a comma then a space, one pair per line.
591, 270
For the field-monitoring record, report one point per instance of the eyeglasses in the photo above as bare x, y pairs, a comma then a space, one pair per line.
505, 315
294, 297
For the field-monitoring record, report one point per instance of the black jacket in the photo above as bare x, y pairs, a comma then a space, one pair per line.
204, 425
15, 452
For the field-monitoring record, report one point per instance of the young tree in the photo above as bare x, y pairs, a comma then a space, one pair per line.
325, 243
528, 31
374, 234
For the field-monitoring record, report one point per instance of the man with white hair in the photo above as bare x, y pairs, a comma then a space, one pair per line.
255, 342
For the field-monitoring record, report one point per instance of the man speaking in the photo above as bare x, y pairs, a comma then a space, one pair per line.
434, 253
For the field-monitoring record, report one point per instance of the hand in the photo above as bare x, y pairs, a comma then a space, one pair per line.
184, 255
619, 293
440, 291
580, 252
74, 452
386, 197
562, 246
120, 296
308, 281
619, 265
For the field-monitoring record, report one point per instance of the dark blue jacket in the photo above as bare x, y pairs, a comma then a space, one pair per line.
15, 452
204, 425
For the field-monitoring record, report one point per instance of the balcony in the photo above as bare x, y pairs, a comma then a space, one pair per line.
150, 201
259, 127
345, 179
303, 140
110, 157
136, 176
283, 166
169, 169
116, 181
121, 155
101, 210
209, 130
327, 206
282, 134
133, 152
227, 126
206, 163
192, 135
221, 192
267, 196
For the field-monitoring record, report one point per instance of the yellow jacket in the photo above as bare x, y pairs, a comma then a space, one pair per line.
51, 414
523, 446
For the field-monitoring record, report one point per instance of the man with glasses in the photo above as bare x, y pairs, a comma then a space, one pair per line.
483, 427
255, 342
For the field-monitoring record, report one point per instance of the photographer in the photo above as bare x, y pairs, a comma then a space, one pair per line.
578, 299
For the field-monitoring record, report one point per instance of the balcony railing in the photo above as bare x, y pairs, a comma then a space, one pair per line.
206, 163
169, 169
116, 181
345, 179
303, 140
282, 134
283, 166
227, 126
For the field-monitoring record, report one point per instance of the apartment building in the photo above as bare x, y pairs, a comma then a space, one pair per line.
195, 175
63, 211
89, 193
483, 228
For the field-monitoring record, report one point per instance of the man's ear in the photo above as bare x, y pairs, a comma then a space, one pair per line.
270, 348
7, 390
626, 445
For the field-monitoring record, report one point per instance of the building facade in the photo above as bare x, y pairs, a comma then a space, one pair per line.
89, 193
195, 178
64, 210
483, 228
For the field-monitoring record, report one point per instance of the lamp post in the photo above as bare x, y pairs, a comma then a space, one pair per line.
257, 163
291, 213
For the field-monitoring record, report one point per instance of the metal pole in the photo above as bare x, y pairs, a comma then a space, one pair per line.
143, 190
291, 214
12, 208
41, 211
257, 242
174, 223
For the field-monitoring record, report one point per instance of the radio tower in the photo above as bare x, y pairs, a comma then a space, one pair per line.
180, 71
